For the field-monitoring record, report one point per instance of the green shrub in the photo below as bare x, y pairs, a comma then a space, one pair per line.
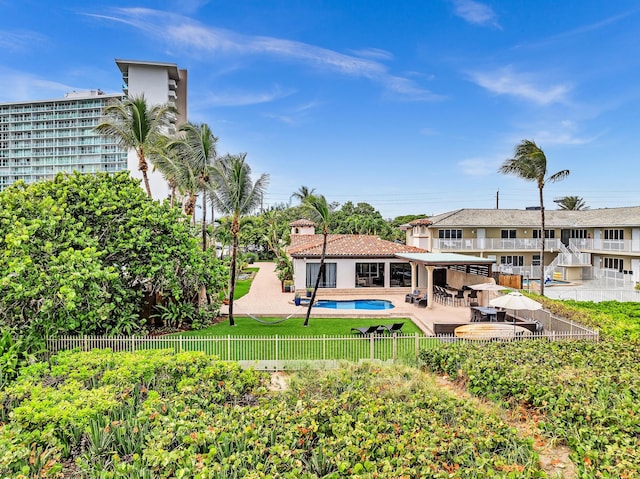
85, 254
585, 392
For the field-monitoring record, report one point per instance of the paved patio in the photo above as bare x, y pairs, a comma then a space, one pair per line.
265, 299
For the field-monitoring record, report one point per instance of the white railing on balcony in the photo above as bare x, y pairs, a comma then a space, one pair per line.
627, 246
494, 244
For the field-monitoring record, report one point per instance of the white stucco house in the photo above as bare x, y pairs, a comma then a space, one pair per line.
352, 261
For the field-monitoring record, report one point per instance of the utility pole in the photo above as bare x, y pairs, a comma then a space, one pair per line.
498, 199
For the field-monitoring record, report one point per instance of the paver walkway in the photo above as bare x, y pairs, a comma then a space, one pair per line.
266, 299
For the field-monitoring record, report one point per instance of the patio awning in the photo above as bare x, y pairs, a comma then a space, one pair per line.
446, 259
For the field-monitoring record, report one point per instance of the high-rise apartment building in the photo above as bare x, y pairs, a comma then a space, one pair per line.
41, 138
159, 83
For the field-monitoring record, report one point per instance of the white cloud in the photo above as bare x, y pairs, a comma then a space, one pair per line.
562, 137
507, 82
477, 166
238, 98
475, 12
373, 53
544, 133
197, 39
18, 86
20, 40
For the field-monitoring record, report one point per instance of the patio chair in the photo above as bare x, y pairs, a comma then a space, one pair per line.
501, 316
394, 328
366, 331
422, 302
458, 299
411, 297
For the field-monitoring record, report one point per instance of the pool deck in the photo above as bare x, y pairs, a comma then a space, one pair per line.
265, 299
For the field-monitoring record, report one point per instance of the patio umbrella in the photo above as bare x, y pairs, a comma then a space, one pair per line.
515, 300
492, 287
487, 287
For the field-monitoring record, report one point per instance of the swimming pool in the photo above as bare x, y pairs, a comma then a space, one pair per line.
354, 304
553, 282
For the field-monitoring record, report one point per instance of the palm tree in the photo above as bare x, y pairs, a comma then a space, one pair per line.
235, 195
169, 164
302, 193
319, 213
574, 203
134, 124
530, 163
197, 148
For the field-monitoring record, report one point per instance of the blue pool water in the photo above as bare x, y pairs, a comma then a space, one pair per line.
553, 282
354, 304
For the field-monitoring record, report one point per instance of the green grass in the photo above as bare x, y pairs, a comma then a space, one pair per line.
246, 326
243, 286
326, 339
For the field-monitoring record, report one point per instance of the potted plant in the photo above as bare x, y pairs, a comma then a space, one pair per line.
296, 299
309, 291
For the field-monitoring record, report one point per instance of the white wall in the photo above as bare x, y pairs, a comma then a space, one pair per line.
154, 83
345, 271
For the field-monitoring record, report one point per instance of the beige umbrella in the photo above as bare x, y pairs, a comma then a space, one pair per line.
487, 287
491, 287
515, 300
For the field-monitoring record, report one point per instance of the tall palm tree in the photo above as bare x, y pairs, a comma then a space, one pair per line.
135, 124
169, 164
319, 213
530, 163
302, 193
574, 203
197, 148
236, 195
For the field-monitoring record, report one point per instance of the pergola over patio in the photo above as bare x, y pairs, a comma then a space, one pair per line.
432, 261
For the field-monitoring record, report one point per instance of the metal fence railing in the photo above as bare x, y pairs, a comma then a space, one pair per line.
292, 352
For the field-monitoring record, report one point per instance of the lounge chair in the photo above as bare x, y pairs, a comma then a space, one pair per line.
394, 328
366, 331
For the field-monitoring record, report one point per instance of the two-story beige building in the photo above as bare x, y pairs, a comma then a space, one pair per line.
587, 244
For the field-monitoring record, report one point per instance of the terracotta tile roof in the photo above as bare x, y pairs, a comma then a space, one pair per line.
302, 222
347, 246
421, 222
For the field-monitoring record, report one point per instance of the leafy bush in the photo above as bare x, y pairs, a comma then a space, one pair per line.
586, 393
14, 355
83, 254
163, 415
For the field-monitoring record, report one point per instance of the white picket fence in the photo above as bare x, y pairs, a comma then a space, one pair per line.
291, 353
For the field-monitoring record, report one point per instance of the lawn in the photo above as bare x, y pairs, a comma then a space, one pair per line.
246, 326
323, 339
243, 285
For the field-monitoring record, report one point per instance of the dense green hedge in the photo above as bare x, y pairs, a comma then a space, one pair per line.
588, 393
79, 254
612, 318
155, 414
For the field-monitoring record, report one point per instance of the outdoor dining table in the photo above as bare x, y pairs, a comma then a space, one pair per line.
488, 314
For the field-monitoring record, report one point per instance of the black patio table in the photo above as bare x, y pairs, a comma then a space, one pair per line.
487, 314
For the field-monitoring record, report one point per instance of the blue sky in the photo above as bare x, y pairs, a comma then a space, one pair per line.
410, 106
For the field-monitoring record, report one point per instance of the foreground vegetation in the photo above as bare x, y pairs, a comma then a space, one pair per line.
155, 414
586, 394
